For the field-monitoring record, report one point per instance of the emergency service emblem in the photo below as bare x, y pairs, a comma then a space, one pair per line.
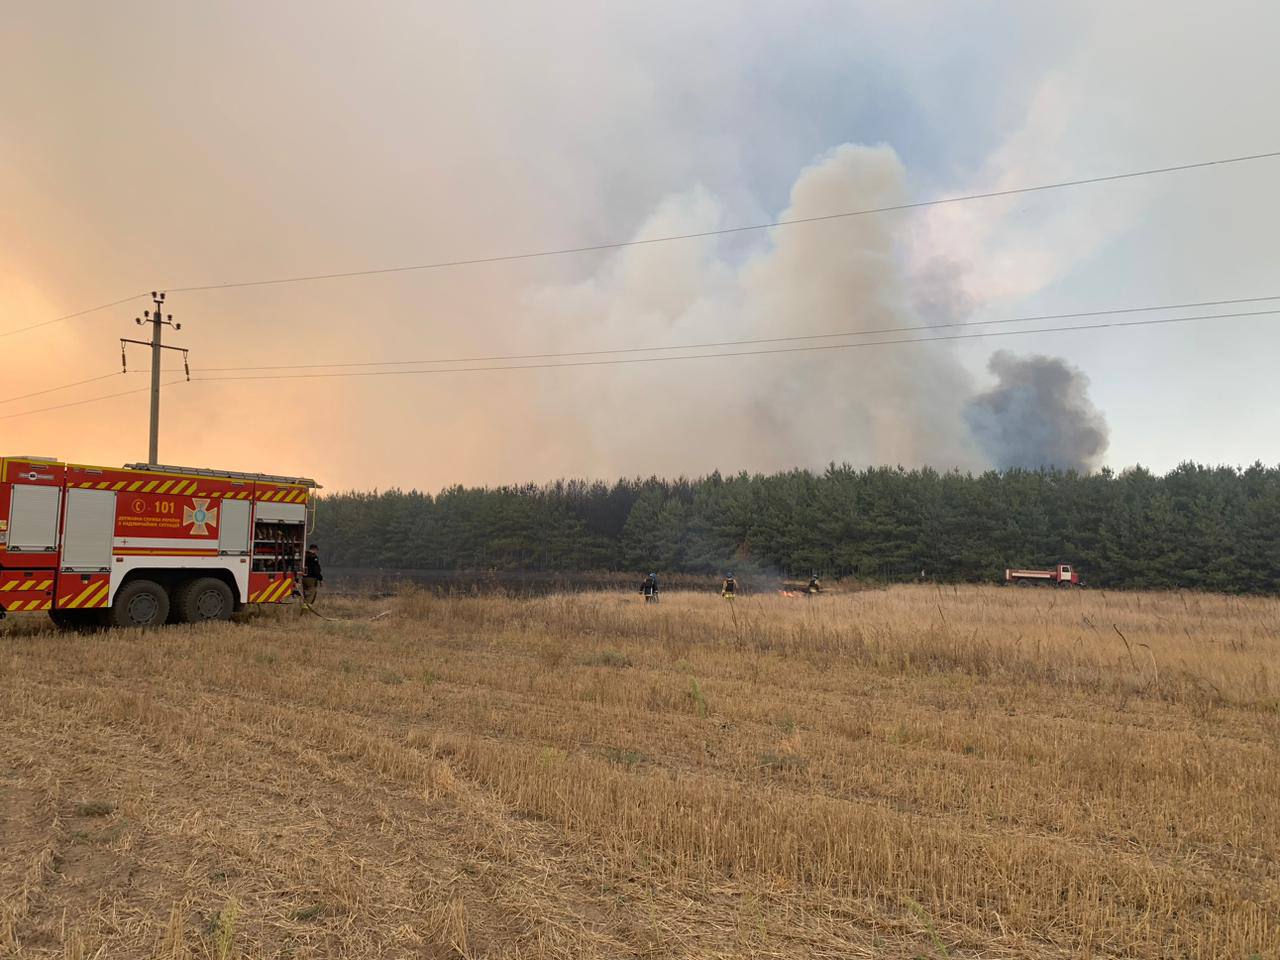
200, 517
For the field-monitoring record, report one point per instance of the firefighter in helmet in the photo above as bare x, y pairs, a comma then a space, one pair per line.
815, 585
729, 587
649, 588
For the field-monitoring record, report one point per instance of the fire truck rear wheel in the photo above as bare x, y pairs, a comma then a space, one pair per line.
142, 603
205, 599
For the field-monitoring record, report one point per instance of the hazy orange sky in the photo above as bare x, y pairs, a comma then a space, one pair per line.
149, 145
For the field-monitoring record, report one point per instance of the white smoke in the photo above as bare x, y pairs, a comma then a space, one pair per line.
904, 404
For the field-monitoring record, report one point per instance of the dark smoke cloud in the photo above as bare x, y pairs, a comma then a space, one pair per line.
1038, 415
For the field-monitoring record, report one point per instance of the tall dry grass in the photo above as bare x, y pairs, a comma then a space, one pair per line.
910, 772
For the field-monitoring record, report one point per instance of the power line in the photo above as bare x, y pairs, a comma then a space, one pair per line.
701, 356
739, 343
75, 383
741, 353
618, 244
65, 386
77, 403
697, 346
69, 316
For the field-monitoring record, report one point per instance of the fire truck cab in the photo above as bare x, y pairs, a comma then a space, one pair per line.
144, 544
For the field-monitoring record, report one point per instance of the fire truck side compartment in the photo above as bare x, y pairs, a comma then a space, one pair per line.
86, 535
33, 518
233, 534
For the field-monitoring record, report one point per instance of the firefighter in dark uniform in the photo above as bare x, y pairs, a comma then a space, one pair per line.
815, 586
650, 588
312, 575
729, 587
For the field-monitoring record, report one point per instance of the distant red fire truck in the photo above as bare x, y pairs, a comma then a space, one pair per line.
143, 545
1060, 576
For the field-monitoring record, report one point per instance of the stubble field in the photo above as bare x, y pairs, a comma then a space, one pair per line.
913, 772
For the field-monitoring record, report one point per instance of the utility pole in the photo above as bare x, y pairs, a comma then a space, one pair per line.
158, 322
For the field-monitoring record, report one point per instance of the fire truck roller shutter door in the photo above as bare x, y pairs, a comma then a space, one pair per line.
33, 518
233, 534
282, 512
91, 520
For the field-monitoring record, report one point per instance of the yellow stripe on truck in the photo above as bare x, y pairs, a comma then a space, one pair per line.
82, 596
274, 595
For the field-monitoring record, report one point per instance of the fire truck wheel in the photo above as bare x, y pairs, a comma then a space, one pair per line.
205, 599
142, 603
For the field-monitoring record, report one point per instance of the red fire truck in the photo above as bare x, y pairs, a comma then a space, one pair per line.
142, 545
1060, 576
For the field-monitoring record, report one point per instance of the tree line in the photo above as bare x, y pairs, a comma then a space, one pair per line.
1212, 528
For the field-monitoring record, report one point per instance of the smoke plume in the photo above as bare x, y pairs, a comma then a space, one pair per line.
909, 405
1038, 414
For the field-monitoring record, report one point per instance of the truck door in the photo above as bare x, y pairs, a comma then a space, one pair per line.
91, 524
33, 518
233, 534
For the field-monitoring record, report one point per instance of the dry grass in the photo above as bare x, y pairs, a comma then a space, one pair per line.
916, 772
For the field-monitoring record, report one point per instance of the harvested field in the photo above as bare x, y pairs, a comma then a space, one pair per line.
914, 772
